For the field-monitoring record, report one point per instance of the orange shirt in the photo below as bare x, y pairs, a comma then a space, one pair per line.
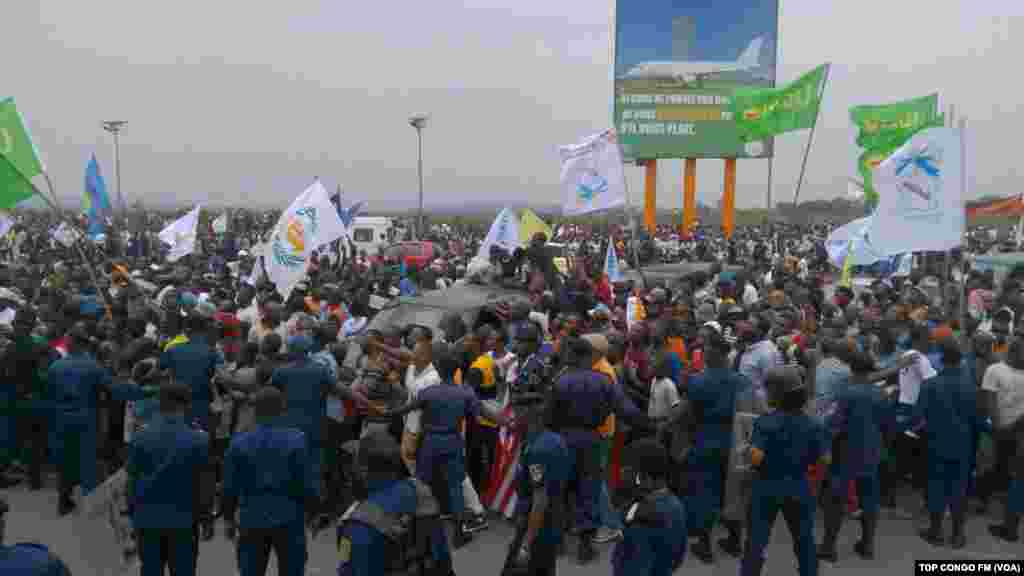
607, 428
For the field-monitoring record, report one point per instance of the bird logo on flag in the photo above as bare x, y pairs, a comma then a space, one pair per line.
590, 185
919, 173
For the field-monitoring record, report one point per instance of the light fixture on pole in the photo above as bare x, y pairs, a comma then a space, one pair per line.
418, 122
114, 127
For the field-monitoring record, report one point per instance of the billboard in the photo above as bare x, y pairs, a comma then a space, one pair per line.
677, 63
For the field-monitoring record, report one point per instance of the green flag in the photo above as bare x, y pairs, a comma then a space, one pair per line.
890, 125
18, 160
764, 112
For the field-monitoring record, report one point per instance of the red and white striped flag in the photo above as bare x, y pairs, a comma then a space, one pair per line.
501, 491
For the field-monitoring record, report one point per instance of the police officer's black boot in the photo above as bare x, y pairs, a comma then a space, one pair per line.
702, 549
865, 547
1008, 530
933, 535
733, 543
958, 541
586, 553
833, 520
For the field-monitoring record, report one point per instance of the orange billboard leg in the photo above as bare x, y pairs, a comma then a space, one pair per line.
689, 195
729, 198
651, 195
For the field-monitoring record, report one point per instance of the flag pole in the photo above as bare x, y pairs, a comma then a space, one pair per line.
78, 247
810, 137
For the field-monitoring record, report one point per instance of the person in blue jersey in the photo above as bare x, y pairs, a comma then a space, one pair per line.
268, 482
655, 536
541, 485
948, 408
397, 528
784, 443
169, 486
72, 385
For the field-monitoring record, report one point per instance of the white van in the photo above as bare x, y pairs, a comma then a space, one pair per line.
370, 233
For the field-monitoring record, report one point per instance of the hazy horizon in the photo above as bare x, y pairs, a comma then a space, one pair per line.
234, 103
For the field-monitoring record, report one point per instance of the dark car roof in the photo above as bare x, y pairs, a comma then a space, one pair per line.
428, 308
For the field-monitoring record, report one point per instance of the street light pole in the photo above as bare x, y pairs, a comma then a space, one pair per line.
419, 122
114, 127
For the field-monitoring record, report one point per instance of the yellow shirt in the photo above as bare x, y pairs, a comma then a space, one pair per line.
607, 428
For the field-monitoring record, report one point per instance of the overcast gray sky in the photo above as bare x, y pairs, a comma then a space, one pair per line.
233, 101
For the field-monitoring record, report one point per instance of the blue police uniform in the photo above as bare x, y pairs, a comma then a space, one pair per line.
30, 560
443, 448
654, 540
545, 464
861, 415
305, 384
266, 474
949, 407
165, 467
713, 396
581, 401
365, 550
790, 443
72, 383
193, 363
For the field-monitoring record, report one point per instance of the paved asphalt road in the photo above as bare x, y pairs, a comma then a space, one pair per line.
33, 518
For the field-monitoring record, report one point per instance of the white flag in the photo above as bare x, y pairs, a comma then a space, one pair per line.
220, 225
920, 190
310, 221
852, 239
6, 223
504, 232
592, 175
66, 235
180, 235
611, 263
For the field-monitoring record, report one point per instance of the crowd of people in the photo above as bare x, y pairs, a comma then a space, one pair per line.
725, 395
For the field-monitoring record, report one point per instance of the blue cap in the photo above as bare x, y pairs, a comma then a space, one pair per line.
300, 344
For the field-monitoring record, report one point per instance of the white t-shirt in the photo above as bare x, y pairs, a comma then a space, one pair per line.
1008, 385
664, 397
413, 384
912, 376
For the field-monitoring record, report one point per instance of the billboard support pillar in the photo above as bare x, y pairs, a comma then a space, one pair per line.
650, 195
729, 198
689, 194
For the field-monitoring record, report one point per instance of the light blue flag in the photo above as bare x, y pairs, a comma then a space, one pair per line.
95, 202
611, 263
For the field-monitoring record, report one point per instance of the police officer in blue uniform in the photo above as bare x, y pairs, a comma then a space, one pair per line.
305, 385
169, 486
266, 479
581, 399
784, 443
397, 529
655, 536
861, 415
543, 480
195, 362
948, 405
441, 458
73, 383
27, 559
712, 397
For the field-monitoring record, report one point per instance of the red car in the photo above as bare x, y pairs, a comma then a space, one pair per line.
415, 254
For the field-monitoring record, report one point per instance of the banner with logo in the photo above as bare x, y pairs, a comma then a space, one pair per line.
921, 189
592, 175
310, 221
